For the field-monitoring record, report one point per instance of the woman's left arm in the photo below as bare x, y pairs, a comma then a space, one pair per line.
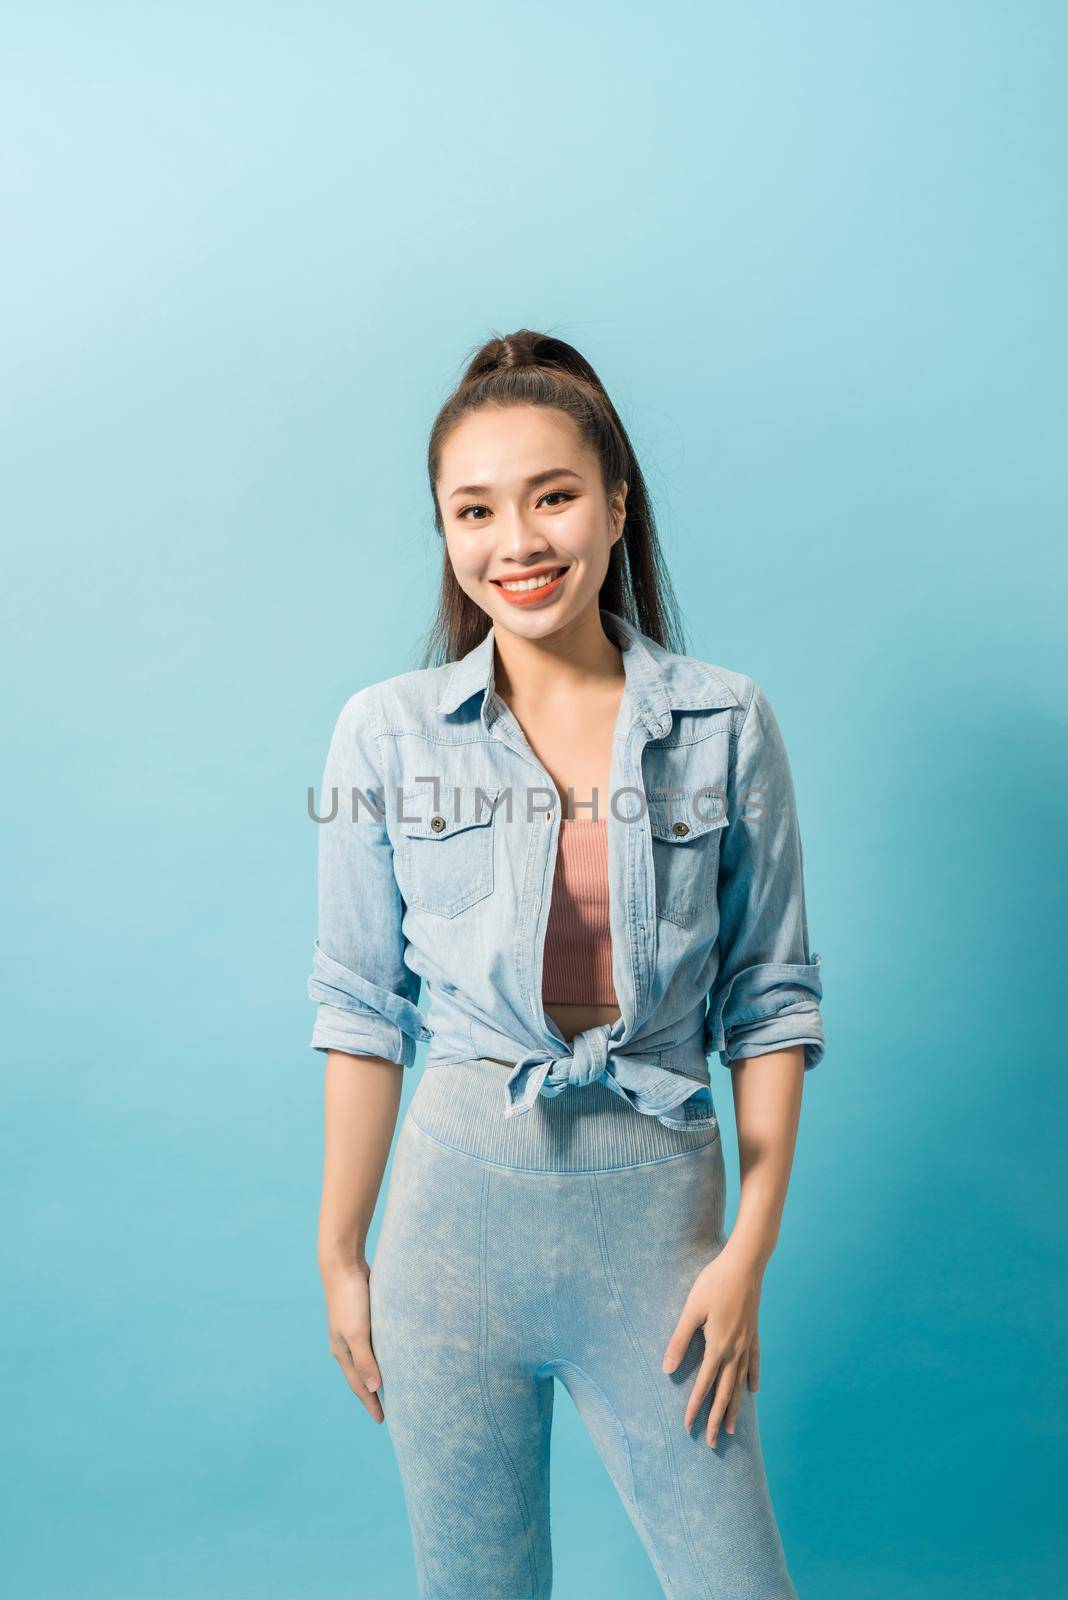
767, 1109
725, 1298
764, 1019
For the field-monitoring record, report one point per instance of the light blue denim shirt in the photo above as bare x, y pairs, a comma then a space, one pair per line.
436, 856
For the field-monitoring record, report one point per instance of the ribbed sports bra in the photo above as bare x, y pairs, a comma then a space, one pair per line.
578, 938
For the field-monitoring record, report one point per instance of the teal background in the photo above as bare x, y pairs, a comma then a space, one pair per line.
817, 254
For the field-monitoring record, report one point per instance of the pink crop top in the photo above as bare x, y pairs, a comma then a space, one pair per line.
578, 938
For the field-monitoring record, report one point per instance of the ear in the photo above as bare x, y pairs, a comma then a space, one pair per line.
620, 496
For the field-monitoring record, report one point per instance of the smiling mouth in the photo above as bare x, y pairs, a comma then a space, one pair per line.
530, 585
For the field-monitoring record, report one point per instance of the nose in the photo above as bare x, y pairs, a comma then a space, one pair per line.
520, 540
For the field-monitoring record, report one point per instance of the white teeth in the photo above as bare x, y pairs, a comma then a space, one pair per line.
532, 583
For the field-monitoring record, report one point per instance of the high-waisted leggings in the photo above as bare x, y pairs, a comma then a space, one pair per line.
557, 1244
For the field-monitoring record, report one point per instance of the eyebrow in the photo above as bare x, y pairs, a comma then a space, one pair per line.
531, 483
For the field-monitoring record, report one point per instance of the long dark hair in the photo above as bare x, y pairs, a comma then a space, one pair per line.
534, 369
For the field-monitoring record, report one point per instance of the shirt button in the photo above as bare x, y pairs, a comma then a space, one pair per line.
437, 823
549, 816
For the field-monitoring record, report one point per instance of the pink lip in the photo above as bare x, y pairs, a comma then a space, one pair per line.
531, 597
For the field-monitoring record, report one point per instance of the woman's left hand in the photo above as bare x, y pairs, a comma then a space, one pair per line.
724, 1302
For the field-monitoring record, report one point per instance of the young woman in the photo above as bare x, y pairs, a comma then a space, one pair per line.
584, 844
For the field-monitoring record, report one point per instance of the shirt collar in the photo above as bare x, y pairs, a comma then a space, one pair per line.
660, 680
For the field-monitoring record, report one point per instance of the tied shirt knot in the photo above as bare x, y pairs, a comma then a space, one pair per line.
679, 1101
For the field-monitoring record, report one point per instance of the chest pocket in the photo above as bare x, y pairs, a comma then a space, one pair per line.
443, 858
686, 841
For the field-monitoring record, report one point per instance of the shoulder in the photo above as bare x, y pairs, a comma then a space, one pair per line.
742, 700
739, 685
697, 683
393, 701
752, 713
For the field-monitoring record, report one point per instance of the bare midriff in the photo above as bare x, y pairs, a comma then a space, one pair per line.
573, 1019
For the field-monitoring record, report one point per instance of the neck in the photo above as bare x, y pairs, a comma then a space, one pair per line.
550, 671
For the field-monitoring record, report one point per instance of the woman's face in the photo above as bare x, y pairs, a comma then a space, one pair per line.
521, 499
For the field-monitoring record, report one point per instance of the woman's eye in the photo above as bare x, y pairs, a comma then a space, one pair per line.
462, 514
558, 494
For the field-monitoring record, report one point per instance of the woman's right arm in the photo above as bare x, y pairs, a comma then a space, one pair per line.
367, 1024
361, 1100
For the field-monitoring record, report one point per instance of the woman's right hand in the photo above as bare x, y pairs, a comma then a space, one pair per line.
348, 1311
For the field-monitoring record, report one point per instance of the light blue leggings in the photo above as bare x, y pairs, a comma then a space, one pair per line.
560, 1243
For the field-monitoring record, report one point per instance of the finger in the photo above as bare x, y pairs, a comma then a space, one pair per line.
370, 1402
346, 1359
735, 1405
720, 1403
367, 1367
702, 1384
364, 1360
341, 1353
754, 1365
679, 1342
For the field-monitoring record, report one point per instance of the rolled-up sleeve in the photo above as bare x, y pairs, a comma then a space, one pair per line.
366, 996
768, 988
